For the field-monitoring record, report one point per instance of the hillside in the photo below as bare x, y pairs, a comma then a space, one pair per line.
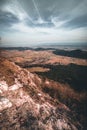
29, 102
72, 53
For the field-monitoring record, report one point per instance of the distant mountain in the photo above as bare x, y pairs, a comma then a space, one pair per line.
16, 48
26, 48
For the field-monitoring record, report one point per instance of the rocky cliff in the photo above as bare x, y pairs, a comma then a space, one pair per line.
28, 102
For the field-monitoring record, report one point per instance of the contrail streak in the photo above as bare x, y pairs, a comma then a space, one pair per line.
36, 9
17, 9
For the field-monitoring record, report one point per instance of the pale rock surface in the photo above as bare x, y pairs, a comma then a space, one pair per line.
3, 86
4, 103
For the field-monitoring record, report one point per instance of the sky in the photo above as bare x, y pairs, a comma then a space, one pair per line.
34, 22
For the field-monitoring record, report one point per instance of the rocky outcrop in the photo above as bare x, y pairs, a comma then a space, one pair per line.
25, 106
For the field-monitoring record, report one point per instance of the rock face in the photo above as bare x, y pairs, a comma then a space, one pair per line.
24, 105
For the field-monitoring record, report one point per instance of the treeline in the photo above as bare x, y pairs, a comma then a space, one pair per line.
73, 53
26, 48
75, 75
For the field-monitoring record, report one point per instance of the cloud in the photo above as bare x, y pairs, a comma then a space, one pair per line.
6, 21
51, 20
77, 22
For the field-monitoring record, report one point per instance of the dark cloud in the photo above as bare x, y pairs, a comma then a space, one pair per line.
2, 2
7, 18
41, 25
46, 10
44, 25
56, 8
6, 21
26, 15
77, 22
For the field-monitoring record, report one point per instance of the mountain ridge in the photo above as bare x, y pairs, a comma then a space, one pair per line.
27, 104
